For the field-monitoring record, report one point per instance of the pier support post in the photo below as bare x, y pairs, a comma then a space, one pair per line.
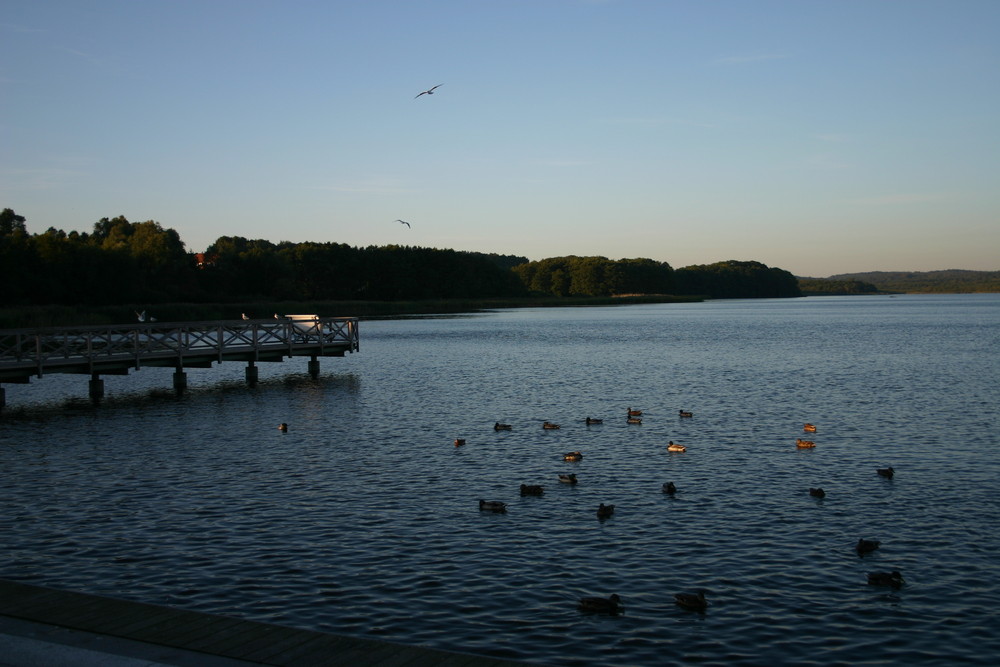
3, 398
180, 380
314, 367
252, 375
96, 387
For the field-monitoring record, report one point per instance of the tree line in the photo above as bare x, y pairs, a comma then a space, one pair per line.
122, 262
949, 281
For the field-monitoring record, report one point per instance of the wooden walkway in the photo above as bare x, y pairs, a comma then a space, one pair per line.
217, 638
117, 349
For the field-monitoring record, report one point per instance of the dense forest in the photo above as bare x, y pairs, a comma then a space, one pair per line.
952, 281
831, 286
123, 262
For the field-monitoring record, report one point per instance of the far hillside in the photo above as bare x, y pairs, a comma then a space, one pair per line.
951, 281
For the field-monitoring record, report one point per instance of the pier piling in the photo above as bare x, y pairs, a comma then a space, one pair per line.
96, 387
251, 374
314, 367
180, 380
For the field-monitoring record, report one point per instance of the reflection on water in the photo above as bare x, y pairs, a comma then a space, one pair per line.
363, 518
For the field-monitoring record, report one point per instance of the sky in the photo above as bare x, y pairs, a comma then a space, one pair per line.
819, 137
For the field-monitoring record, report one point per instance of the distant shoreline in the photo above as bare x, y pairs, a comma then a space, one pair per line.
26, 317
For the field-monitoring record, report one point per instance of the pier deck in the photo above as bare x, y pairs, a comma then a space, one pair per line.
41, 625
116, 350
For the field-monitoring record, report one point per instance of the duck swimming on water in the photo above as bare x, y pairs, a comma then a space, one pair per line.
604, 511
669, 488
894, 579
817, 493
492, 506
692, 601
501, 427
569, 478
608, 605
885, 472
866, 546
684, 413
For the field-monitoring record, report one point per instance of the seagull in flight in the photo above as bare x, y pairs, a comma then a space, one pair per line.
429, 92
405, 223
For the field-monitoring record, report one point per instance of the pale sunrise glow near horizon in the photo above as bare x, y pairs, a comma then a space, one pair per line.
817, 137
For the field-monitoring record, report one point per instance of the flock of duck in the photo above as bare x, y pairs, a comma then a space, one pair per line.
691, 601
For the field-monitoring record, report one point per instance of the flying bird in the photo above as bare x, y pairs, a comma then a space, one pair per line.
405, 223
430, 91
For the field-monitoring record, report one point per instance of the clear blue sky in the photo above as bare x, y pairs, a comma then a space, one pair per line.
817, 136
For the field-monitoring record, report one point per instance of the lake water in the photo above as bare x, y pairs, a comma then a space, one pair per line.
363, 518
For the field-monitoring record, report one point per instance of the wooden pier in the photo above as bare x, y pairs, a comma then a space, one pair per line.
116, 350
68, 627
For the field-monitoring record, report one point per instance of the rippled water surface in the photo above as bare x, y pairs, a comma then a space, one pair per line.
363, 518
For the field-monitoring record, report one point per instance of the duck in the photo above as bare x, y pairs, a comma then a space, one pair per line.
669, 488
549, 425
532, 490
569, 478
684, 413
809, 428
692, 601
674, 447
604, 511
501, 427
283, 427
492, 506
634, 413
818, 493
885, 472
804, 444
572, 456
894, 579
459, 442
591, 420
866, 546
634, 420
608, 605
